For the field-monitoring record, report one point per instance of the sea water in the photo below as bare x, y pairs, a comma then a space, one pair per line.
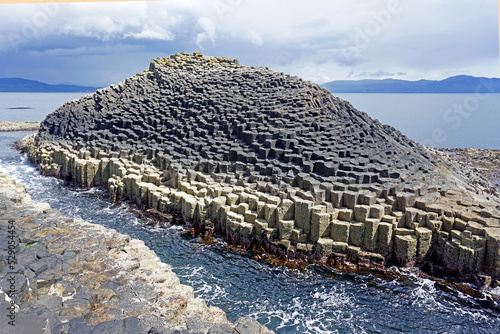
437, 120
32, 107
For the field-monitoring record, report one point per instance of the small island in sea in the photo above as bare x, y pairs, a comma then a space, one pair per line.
269, 160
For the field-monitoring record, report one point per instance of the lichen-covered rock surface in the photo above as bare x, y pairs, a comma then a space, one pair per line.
269, 160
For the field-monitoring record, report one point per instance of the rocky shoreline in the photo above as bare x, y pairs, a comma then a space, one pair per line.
19, 126
64, 275
485, 162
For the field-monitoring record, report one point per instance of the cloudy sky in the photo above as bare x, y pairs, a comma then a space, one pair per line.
103, 43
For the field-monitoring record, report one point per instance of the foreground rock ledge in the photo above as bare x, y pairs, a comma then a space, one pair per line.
71, 276
270, 161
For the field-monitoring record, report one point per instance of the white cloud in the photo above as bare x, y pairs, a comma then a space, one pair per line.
152, 32
100, 21
208, 34
256, 39
319, 40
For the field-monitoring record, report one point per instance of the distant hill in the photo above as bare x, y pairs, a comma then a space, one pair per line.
456, 84
32, 86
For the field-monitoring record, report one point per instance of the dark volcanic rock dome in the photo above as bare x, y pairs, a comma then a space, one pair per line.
216, 115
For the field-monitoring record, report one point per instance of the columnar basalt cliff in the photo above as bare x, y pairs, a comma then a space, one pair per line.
267, 159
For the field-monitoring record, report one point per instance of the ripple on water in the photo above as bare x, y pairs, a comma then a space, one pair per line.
288, 301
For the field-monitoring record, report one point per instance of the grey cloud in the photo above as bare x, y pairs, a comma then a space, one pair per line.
316, 40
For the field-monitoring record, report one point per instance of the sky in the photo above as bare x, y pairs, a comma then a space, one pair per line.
98, 44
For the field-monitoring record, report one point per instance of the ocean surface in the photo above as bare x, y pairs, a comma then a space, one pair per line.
435, 120
32, 107
315, 300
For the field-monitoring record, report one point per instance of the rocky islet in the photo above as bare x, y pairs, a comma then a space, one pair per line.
269, 160
19, 126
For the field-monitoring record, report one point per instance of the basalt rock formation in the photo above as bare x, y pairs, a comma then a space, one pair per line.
267, 159
64, 275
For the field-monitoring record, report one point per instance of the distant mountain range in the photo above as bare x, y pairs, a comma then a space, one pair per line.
32, 86
456, 84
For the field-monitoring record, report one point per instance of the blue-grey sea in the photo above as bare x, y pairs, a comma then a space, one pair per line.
435, 120
315, 300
